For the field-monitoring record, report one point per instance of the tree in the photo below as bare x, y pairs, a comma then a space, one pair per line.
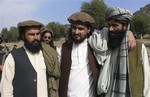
5, 34
95, 8
58, 29
14, 34
10, 35
141, 24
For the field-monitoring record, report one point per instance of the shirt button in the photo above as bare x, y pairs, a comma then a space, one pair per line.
34, 80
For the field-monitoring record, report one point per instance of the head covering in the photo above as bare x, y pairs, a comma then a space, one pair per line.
81, 17
47, 30
29, 23
117, 13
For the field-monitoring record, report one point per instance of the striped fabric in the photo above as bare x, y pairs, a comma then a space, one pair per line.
120, 86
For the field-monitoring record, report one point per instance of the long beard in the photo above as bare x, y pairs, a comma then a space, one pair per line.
33, 47
114, 41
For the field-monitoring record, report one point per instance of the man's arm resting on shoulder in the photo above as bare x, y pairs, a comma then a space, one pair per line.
131, 41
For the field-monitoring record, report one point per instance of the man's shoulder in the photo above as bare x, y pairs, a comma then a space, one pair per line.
17, 50
47, 46
67, 44
48, 49
139, 43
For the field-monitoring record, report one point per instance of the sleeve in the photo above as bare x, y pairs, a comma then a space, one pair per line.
146, 69
58, 49
7, 77
98, 42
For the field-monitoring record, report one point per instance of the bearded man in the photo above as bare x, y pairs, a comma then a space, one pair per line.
123, 73
79, 68
32, 70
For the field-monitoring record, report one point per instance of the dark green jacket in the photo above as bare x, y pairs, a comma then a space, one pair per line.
53, 69
136, 71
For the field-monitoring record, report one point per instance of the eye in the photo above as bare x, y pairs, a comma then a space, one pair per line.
47, 37
33, 34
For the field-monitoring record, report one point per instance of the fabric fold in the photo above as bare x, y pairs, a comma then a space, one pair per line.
98, 42
104, 77
53, 69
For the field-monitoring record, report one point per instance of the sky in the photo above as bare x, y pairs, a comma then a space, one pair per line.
45, 11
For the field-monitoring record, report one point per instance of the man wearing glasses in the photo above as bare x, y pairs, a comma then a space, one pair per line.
47, 36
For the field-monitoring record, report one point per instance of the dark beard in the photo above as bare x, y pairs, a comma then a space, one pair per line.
114, 41
33, 47
78, 41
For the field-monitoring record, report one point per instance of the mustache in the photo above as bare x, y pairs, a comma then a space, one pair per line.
35, 40
76, 34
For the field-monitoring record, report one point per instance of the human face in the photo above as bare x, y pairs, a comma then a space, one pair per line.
32, 39
115, 28
116, 33
47, 37
32, 34
79, 32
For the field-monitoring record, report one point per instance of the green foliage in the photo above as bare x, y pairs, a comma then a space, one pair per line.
14, 34
95, 8
9, 35
141, 24
5, 34
58, 29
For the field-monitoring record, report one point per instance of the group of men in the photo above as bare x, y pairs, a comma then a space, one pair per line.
91, 63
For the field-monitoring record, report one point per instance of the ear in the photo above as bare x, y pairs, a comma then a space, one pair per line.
125, 27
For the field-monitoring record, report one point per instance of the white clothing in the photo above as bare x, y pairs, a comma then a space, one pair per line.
81, 78
146, 69
102, 37
37, 61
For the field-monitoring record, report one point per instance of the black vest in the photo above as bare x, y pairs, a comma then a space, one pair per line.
25, 78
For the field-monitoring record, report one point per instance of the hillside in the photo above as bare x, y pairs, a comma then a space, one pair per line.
144, 10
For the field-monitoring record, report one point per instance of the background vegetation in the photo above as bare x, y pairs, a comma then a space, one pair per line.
96, 8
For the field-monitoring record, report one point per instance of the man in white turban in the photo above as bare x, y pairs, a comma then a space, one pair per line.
123, 73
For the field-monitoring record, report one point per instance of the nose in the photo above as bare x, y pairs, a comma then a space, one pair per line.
111, 28
76, 31
36, 36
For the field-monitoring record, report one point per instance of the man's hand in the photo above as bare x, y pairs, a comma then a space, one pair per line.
131, 41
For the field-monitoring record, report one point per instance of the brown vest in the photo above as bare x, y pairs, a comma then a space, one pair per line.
66, 65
